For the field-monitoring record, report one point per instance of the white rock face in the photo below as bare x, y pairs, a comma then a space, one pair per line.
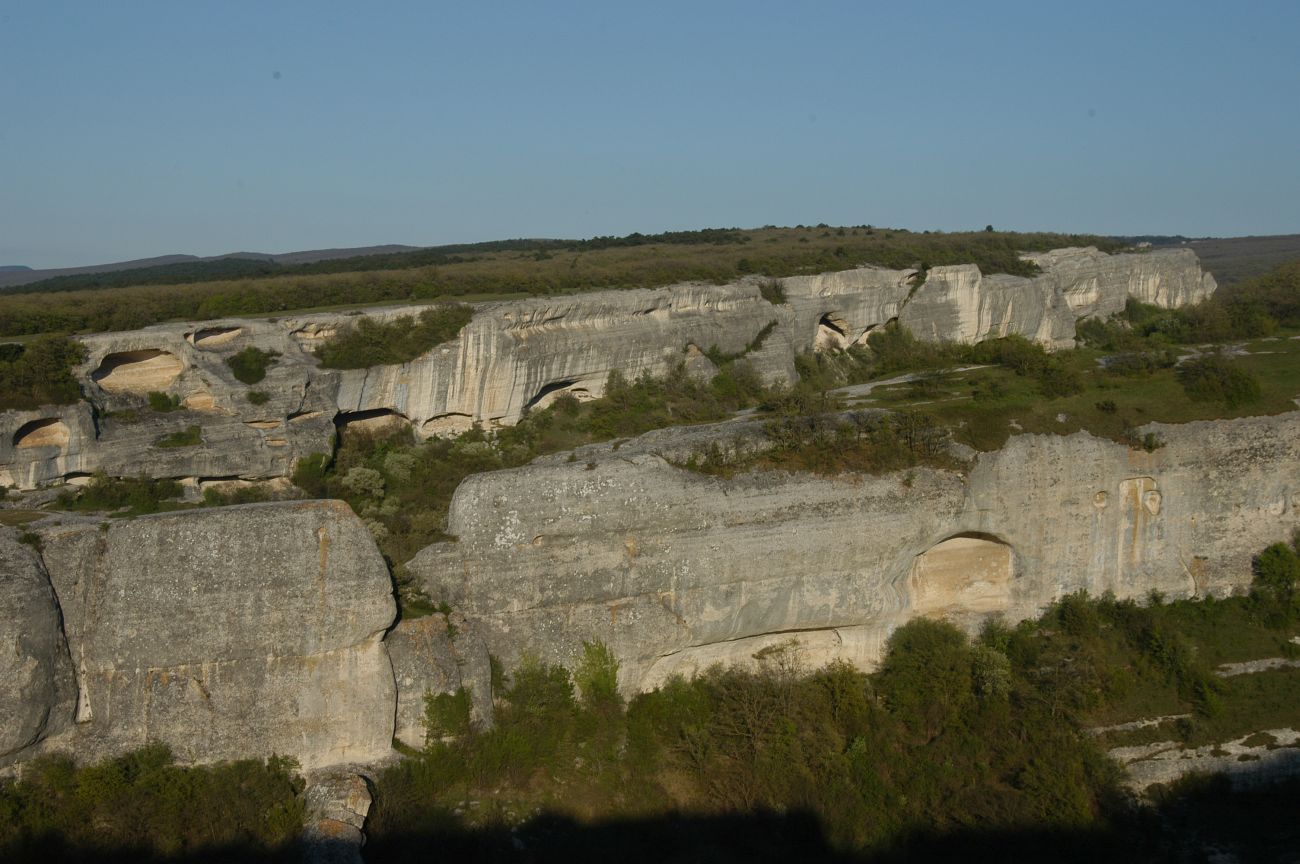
227, 634
676, 571
515, 356
961, 305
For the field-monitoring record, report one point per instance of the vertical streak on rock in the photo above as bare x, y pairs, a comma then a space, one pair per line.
323, 543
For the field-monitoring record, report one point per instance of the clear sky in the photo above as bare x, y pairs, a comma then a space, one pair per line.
137, 128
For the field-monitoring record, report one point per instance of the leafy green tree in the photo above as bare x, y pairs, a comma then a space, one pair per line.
1215, 378
249, 366
597, 677
40, 372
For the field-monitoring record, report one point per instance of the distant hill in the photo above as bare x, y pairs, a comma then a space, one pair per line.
11, 276
14, 268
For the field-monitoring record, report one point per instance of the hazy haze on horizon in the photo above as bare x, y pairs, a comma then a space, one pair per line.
142, 129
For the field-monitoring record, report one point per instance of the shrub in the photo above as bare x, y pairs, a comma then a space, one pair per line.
140, 495
370, 342
191, 436
249, 366
925, 679
1020, 355
446, 715
309, 474
141, 806
40, 372
162, 403
773, 291
1214, 378
597, 676
1278, 568
258, 397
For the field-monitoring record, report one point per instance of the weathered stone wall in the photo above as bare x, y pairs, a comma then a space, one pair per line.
961, 305
513, 356
676, 570
37, 691
225, 634
433, 655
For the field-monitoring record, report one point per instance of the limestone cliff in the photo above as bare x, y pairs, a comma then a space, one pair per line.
226, 634
515, 356
36, 686
676, 570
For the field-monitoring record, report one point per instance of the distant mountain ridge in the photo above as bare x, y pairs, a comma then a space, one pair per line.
12, 275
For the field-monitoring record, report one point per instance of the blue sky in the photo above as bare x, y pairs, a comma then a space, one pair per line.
142, 128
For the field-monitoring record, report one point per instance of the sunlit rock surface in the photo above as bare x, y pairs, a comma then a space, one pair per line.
516, 356
676, 571
225, 634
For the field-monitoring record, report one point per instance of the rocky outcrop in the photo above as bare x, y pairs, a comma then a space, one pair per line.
433, 655
225, 634
513, 357
36, 686
337, 803
117, 432
960, 304
1249, 762
676, 571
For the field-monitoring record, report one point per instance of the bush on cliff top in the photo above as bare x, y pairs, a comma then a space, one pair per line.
40, 373
369, 342
249, 366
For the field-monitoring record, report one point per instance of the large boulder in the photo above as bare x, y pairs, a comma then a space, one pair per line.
228, 633
35, 678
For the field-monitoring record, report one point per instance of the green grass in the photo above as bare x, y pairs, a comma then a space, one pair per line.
14, 518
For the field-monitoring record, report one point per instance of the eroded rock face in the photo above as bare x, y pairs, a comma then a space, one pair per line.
139, 372
432, 655
514, 357
676, 571
959, 304
36, 686
227, 634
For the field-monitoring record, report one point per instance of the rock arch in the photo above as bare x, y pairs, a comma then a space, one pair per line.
447, 425
967, 573
375, 421
832, 333
46, 432
550, 392
138, 372
214, 337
